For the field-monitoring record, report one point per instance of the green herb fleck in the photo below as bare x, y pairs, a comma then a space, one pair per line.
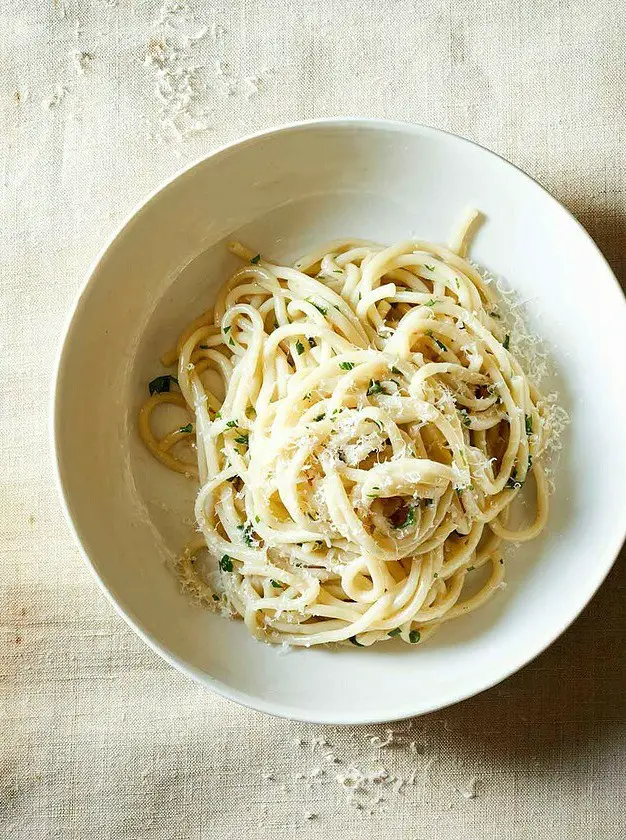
231, 342
495, 315
319, 417
161, 384
226, 564
395, 632
409, 519
299, 348
215, 597
275, 584
465, 418
257, 519
187, 428
431, 302
436, 575
414, 636
375, 388
242, 439
246, 532
430, 267
529, 425
317, 306
346, 365
255, 260
512, 481
439, 344
226, 329
506, 341
396, 371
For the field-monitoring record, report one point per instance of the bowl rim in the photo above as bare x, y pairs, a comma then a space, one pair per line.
271, 707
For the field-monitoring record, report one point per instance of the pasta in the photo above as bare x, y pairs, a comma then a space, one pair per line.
361, 428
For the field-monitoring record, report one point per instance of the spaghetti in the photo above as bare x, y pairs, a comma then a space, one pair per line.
361, 428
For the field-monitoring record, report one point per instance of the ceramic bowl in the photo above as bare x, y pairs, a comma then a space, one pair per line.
284, 191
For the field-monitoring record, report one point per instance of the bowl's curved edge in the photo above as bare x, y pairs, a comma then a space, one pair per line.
133, 621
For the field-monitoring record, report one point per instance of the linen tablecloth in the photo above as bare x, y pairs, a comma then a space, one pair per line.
99, 102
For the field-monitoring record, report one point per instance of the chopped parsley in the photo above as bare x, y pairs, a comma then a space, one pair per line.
187, 428
317, 306
465, 418
408, 520
506, 341
242, 439
161, 384
436, 575
439, 344
395, 632
231, 342
431, 302
226, 564
215, 597
299, 347
276, 584
375, 388
318, 418
226, 329
414, 636
529, 425
246, 532
255, 260
396, 371
231, 424
512, 481
257, 519
346, 365
430, 267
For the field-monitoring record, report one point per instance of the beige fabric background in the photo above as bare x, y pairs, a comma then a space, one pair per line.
98, 737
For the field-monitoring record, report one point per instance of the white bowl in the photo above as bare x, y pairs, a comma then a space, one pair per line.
284, 191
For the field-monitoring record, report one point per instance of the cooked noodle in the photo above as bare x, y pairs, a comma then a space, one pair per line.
361, 430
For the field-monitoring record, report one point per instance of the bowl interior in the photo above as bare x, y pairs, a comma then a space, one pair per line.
282, 193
